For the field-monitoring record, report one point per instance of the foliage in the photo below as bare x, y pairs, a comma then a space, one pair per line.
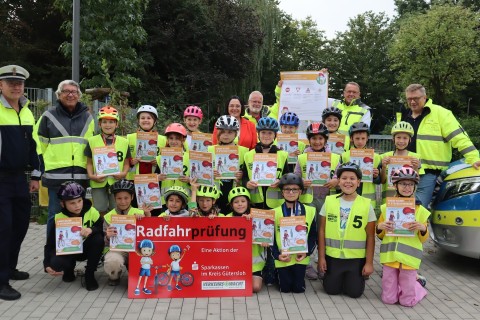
406, 7
360, 55
109, 32
439, 50
30, 37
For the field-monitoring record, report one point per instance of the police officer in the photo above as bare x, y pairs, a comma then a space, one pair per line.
17, 152
436, 131
63, 133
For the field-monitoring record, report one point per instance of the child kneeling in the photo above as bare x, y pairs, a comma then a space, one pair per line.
73, 202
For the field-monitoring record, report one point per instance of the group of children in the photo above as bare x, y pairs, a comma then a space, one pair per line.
344, 230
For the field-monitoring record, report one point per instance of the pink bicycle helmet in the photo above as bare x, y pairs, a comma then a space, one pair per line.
405, 173
193, 111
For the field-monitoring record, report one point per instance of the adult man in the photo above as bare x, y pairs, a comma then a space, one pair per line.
436, 131
17, 152
62, 133
257, 110
353, 109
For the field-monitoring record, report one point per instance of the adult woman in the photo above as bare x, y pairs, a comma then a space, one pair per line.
247, 136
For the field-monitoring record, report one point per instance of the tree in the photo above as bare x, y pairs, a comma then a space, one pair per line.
406, 7
439, 50
109, 32
360, 55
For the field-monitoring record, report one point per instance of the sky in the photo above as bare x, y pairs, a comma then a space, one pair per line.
333, 15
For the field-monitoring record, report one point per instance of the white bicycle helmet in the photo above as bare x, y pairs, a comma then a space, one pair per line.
148, 108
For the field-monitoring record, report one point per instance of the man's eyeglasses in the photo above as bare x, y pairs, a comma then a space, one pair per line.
70, 92
286, 190
416, 99
406, 184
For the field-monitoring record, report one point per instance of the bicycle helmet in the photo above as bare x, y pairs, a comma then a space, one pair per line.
179, 191
359, 127
174, 248
193, 111
289, 119
176, 128
146, 243
349, 166
208, 191
228, 123
405, 173
331, 111
238, 191
402, 127
267, 123
291, 178
108, 112
122, 185
149, 109
317, 128
70, 190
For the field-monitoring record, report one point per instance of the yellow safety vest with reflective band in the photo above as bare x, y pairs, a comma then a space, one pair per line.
354, 242
88, 220
307, 195
350, 114
368, 188
121, 147
131, 211
438, 132
132, 145
309, 216
406, 250
273, 195
259, 253
166, 184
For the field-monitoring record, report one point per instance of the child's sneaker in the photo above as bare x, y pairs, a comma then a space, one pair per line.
311, 273
178, 287
146, 291
422, 280
136, 292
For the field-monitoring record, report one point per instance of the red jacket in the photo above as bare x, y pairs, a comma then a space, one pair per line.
248, 134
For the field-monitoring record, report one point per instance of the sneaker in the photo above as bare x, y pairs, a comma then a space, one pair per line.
311, 273
8, 293
68, 276
91, 283
18, 275
422, 280
178, 287
146, 291
136, 292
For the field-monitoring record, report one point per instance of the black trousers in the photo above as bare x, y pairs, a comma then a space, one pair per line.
92, 252
292, 278
344, 276
15, 206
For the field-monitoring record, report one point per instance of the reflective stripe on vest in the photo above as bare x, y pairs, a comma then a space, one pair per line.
65, 176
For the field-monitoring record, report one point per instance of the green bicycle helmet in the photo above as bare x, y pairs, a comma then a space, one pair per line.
208, 191
238, 191
402, 127
177, 190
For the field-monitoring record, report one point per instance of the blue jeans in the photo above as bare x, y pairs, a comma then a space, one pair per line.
54, 207
425, 188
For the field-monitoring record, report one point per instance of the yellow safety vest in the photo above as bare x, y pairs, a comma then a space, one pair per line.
309, 217
121, 147
132, 145
368, 188
274, 195
438, 132
166, 184
350, 114
307, 195
406, 250
386, 191
131, 211
354, 242
88, 220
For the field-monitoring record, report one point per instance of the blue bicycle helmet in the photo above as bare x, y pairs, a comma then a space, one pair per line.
146, 243
267, 123
174, 248
289, 119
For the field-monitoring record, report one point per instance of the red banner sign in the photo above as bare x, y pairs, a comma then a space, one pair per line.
191, 257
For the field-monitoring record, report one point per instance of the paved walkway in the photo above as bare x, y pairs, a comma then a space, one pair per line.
453, 284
